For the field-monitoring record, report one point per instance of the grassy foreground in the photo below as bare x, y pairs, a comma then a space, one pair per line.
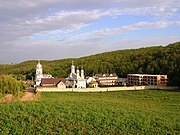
124, 112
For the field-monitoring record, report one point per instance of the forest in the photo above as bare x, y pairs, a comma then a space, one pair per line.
149, 60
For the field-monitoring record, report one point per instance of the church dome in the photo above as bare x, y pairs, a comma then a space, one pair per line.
38, 65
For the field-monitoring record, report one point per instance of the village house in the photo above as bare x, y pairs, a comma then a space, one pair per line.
59, 83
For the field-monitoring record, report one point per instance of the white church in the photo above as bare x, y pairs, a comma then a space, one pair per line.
76, 79
40, 75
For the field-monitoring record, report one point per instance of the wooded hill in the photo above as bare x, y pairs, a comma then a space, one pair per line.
150, 60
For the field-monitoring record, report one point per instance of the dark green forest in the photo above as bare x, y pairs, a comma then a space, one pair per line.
149, 60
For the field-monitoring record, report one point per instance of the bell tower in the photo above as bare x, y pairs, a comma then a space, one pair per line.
77, 73
39, 73
72, 67
82, 72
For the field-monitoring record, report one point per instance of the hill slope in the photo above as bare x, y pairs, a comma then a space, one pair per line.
150, 60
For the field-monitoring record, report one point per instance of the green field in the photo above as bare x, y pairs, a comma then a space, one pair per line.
124, 112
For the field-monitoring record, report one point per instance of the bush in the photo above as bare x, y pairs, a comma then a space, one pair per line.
9, 85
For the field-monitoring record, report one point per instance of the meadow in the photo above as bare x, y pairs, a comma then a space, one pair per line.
123, 112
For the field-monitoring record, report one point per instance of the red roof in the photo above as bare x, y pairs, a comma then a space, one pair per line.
52, 81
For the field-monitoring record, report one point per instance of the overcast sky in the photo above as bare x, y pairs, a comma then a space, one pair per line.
57, 29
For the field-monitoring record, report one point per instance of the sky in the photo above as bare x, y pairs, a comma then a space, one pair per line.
58, 29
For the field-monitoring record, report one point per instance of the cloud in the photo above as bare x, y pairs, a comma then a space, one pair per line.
145, 42
63, 22
98, 39
23, 9
52, 52
30, 23
160, 11
98, 34
21, 18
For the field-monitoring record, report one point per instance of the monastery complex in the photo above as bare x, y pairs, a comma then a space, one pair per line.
77, 79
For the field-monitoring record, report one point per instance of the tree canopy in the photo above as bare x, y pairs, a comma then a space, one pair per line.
9, 85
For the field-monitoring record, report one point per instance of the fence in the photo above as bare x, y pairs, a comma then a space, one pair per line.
103, 89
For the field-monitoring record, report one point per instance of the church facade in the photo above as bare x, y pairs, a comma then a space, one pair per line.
76, 78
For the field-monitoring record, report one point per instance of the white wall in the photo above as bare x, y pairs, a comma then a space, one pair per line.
103, 89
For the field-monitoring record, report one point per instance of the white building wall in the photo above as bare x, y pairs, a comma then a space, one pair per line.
39, 73
61, 85
81, 84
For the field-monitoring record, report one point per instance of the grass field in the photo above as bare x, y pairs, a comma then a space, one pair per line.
124, 112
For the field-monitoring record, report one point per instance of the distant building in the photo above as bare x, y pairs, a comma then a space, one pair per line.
146, 79
40, 75
47, 76
107, 79
122, 81
76, 79
59, 83
91, 81
93, 84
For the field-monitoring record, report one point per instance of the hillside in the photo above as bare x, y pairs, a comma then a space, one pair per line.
150, 60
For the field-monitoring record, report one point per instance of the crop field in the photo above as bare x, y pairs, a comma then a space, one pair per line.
124, 112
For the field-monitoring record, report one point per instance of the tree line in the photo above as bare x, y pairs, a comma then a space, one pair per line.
149, 60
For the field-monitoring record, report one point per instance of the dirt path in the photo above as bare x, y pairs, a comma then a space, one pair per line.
28, 96
7, 98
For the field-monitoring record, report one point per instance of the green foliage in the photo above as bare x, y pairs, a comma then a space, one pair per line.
150, 60
9, 85
124, 112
